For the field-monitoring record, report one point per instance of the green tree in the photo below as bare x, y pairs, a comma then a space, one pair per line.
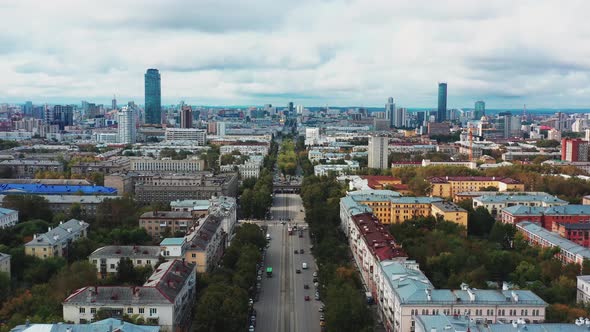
126, 273
29, 207
346, 309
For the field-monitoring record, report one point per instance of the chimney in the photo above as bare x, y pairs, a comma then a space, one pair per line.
471, 295
514, 296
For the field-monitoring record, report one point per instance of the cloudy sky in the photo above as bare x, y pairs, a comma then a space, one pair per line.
331, 52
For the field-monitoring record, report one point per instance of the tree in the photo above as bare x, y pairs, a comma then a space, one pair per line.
75, 211
126, 273
480, 222
115, 212
29, 207
346, 309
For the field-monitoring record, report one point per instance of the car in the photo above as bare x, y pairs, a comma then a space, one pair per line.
315, 274
254, 312
315, 279
251, 302
259, 272
306, 297
298, 271
296, 251
301, 251
322, 317
322, 323
321, 309
316, 284
256, 298
259, 278
306, 286
317, 297
283, 222
251, 329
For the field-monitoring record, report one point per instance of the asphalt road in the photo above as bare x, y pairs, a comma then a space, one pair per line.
281, 306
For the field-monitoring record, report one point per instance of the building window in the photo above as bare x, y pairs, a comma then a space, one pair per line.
153, 311
142, 310
129, 310
92, 310
194, 255
82, 310
112, 266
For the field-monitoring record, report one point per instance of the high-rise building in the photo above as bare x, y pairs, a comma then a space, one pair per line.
442, 102
220, 128
480, 110
401, 115
61, 115
186, 117
126, 125
574, 149
390, 112
153, 97
114, 103
28, 108
290, 109
378, 152
505, 123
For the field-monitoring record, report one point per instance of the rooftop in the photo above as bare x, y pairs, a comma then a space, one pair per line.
62, 232
126, 251
554, 239
57, 189
172, 241
461, 323
381, 243
570, 210
4, 211
504, 198
106, 325
574, 226
448, 207
448, 179
168, 214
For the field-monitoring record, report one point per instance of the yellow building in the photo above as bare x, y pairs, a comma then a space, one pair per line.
55, 243
399, 209
448, 186
450, 212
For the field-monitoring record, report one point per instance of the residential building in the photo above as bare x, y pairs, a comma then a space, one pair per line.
449, 212
166, 299
109, 166
438, 129
5, 264
249, 169
56, 241
205, 246
574, 149
109, 324
583, 289
247, 149
581, 165
441, 114
199, 136
405, 293
106, 259
167, 188
554, 134
27, 168
173, 247
41, 189
312, 136
378, 152
577, 233
225, 208
167, 165
8, 217
569, 252
547, 216
495, 203
349, 166
159, 224
153, 97
220, 128
449, 185
63, 203
198, 207
186, 117
126, 127
462, 323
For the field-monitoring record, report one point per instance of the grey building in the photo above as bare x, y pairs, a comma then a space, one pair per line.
5, 264
153, 97
106, 259
390, 112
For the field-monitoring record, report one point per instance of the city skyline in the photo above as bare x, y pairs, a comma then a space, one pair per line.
335, 53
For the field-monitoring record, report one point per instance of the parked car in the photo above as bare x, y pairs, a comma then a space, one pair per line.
301, 251
297, 271
306, 297
306, 286
296, 251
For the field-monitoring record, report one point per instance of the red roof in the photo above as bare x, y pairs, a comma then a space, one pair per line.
381, 243
446, 179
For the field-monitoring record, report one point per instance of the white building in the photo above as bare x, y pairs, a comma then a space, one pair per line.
312, 136
127, 129
8, 218
378, 152
350, 166
554, 134
5, 264
220, 128
583, 293
173, 247
106, 259
106, 138
494, 203
167, 165
166, 299
187, 134
245, 149
249, 169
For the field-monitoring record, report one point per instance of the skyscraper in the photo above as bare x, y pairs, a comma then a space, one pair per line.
153, 97
186, 117
442, 102
61, 115
378, 152
126, 125
114, 103
480, 110
28, 108
400, 117
390, 112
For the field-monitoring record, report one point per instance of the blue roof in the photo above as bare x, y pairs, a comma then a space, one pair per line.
109, 324
522, 210
50, 189
4, 211
461, 323
520, 198
172, 241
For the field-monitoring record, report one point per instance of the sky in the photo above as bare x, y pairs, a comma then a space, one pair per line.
314, 53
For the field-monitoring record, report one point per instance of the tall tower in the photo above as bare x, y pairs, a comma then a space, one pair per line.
114, 103
126, 125
153, 97
390, 112
378, 152
441, 114
480, 110
186, 117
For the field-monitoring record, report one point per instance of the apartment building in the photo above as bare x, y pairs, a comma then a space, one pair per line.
167, 165
56, 241
407, 293
173, 247
8, 217
349, 166
106, 259
546, 216
495, 203
198, 136
116, 325
63, 203
449, 212
462, 323
166, 299
569, 252
158, 224
5, 263
109, 166
27, 168
167, 188
198, 207
578, 233
205, 247
583, 289
245, 149
448, 186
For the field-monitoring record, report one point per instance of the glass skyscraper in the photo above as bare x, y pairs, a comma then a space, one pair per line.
442, 102
480, 110
153, 97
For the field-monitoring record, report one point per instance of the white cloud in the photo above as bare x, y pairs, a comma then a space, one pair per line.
355, 52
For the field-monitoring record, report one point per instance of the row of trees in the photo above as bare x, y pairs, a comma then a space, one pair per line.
341, 287
223, 295
448, 258
287, 159
256, 197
